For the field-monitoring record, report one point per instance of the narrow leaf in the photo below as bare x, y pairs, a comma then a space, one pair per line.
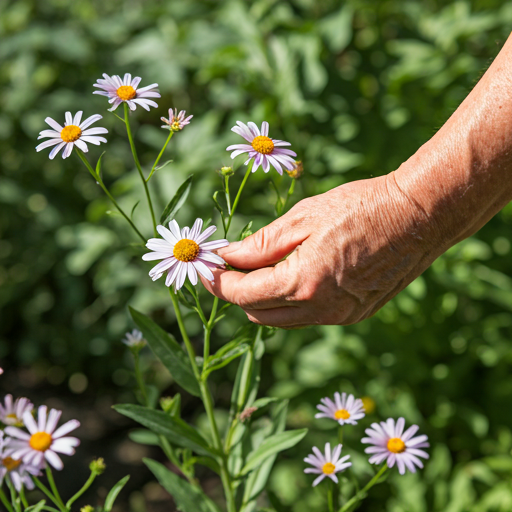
133, 209
219, 362
98, 164
217, 204
37, 507
174, 428
246, 231
114, 492
274, 444
165, 164
176, 202
167, 349
188, 498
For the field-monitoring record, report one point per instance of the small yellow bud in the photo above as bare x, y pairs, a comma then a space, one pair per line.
226, 171
87, 508
98, 466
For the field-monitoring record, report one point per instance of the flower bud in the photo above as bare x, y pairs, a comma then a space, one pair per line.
297, 171
98, 466
247, 413
87, 508
226, 171
166, 403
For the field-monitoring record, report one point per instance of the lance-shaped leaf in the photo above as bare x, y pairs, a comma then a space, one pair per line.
114, 492
167, 349
274, 444
37, 507
176, 202
188, 498
173, 428
223, 360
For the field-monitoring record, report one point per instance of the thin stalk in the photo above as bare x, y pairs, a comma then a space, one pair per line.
208, 405
46, 491
159, 156
194, 294
289, 194
98, 179
330, 497
5, 501
226, 189
23, 497
138, 376
54, 489
139, 168
208, 329
14, 497
363, 491
237, 198
84, 488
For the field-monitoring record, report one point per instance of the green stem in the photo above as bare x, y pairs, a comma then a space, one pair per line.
138, 376
208, 329
23, 497
84, 488
54, 489
360, 495
159, 156
98, 180
5, 501
289, 194
208, 405
330, 496
46, 491
139, 168
226, 189
237, 198
14, 498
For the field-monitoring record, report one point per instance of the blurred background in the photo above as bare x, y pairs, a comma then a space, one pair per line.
356, 86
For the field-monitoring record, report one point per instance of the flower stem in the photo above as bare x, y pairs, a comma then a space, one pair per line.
208, 405
46, 491
5, 501
84, 488
289, 194
237, 198
139, 168
330, 497
159, 156
54, 489
14, 497
23, 497
98, 179
138, 376
362, 493
208, 329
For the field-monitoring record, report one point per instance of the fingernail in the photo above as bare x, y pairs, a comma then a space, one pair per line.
232, 247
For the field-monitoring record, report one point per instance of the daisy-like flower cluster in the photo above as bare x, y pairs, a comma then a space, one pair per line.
134, 339
184, 253
389, 442
28, 444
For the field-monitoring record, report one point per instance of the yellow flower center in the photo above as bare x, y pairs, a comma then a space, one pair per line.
126, 92
263, 144
70, 133
342, 414
175, 126
329, 468
396, 445
40, 441
186, 250
10, 463
12, 416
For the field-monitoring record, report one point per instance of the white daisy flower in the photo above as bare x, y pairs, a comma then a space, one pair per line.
16, 470
327, 465
134, 339
392, 444
43, 441
176, 122
11, 413
118, 90
73, 133
184, 253
345, 409
264, 150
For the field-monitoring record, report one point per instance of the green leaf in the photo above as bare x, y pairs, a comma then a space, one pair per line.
188, 498
246, 231
98, 164
217, 204
165, 164
114, 492
143, 436
219, 362
176, 202
173, 428
272, 445
133, 209
37, 507
167, 349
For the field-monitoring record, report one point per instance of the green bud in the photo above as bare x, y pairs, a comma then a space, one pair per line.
87, 508
97, 466
166, 403
226, 171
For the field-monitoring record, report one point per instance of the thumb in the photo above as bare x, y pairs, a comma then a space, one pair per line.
269, 245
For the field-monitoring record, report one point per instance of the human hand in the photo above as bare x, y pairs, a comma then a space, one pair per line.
349, 250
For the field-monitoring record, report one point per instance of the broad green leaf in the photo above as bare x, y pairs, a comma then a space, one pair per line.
272, 445
176, 202
188, 498
167, 349
37, 507
114, 492
226, 358
173, 428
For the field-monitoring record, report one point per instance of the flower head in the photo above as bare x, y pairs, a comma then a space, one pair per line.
43, 440
134, 339
118, 90
11, 413
327, 465
17, 471
297, 171
264, 150
392, 444
184, 252
345, 409
176, 122
73, 133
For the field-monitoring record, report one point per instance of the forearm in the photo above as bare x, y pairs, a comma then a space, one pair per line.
462, 177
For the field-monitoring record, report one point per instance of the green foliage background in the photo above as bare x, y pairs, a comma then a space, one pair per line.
356, 86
